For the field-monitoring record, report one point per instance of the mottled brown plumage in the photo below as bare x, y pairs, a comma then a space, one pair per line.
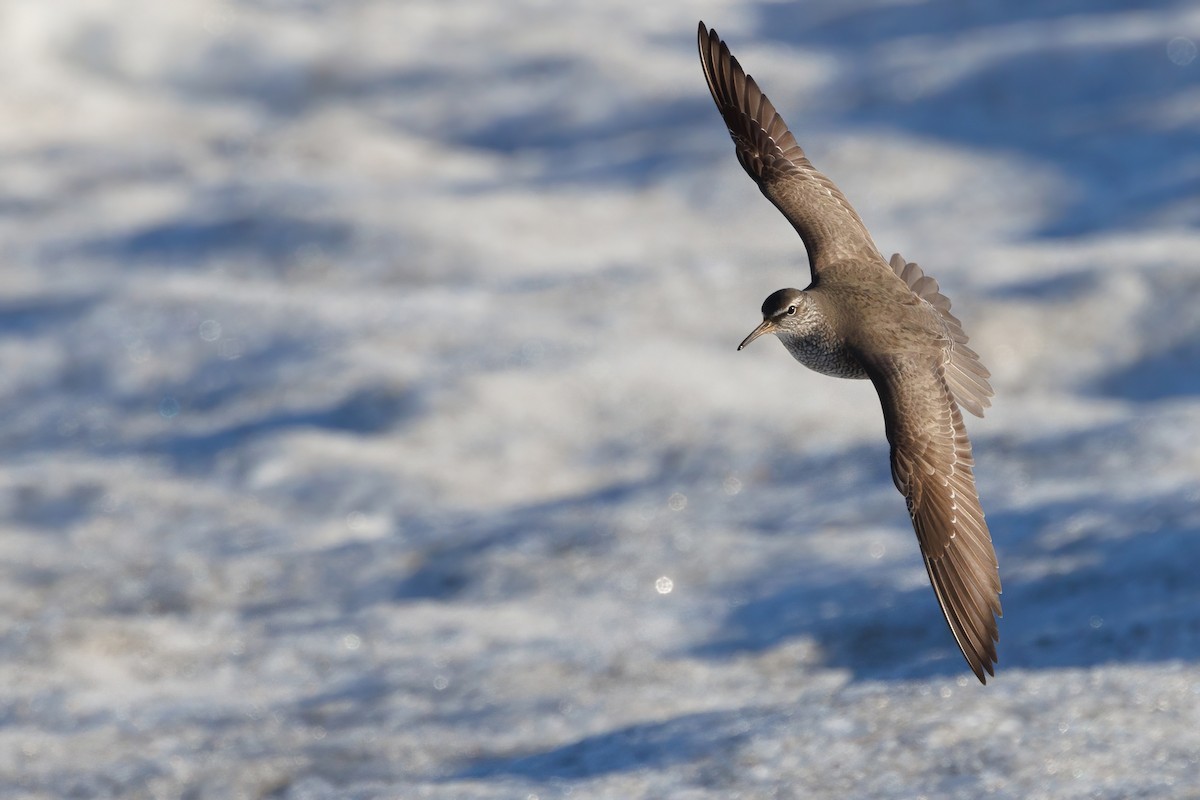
862, 317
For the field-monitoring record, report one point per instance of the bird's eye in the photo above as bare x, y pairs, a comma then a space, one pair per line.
791, 309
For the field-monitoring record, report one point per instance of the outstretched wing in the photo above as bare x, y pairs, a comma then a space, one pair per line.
965, 373
827, 223
932, 468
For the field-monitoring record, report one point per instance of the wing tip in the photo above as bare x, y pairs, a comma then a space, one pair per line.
983, 671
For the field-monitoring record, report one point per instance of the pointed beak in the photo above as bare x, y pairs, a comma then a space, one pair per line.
766, 327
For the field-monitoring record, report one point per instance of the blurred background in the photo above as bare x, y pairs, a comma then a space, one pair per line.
374, 427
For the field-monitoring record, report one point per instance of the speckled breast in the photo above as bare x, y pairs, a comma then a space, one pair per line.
824, 354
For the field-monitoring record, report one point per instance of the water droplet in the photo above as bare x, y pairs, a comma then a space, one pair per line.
731, 485
210, 330
351, 641
168, 407
664, 585
1096, 622
1181, 51
677, 502
877, 550
440, 682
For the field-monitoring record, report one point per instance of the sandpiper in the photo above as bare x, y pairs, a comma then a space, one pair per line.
862, 317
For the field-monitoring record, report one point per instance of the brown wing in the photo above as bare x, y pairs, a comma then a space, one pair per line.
932, 468
828, 225
965, 373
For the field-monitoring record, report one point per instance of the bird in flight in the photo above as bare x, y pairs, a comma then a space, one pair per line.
864, 317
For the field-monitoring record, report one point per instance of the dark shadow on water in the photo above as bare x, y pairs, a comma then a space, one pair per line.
450, 569
868, 25
657, 745
1061, 288
1169, 373
625, 148
1169, 365
459, 557
188, 241
34, 316
53, 509
364, 412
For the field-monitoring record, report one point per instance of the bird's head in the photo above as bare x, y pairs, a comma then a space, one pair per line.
782, 312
